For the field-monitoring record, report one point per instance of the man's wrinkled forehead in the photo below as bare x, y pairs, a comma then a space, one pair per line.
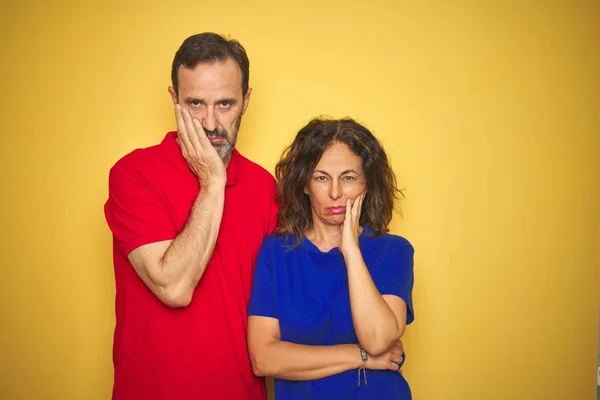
217, 77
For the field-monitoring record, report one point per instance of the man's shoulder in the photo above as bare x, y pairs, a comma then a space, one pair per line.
139, 156
253, 171
140, 159
147, 166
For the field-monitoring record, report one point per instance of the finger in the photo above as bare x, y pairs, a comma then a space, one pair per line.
394, 366
196, 138
355, 206
190, 129
348, 217
201, 135
356, 214
362, 199
396, 352
401, 363
399, 345
181, 130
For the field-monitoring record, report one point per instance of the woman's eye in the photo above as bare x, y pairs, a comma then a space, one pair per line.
320, 178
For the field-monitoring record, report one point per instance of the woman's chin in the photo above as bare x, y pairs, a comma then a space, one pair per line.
335, 219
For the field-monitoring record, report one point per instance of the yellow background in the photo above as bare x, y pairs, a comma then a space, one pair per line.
489, 112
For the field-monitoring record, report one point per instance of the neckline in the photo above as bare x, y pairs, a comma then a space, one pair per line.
312, 248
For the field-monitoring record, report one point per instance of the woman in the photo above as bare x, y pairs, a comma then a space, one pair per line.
332, 291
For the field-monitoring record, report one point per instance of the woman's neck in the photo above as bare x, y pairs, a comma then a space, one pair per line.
325, 237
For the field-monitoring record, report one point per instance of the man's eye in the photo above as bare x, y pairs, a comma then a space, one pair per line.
225, 103
195, 103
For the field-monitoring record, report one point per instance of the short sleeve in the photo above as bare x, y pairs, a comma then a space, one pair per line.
395, 275
134, 211
273, 224
263, 299
273, 208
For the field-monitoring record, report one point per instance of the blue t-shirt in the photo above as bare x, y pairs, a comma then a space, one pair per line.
307, 291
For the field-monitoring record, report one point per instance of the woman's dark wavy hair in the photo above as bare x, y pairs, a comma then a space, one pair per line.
299, 160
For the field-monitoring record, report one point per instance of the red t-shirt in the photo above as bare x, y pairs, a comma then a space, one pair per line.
199, 351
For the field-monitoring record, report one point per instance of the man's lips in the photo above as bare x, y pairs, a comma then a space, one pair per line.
216, 139
336, 209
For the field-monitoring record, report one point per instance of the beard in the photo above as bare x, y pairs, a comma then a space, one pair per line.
226, 148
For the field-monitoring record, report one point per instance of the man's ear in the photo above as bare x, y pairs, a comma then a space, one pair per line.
246, 100
173, 94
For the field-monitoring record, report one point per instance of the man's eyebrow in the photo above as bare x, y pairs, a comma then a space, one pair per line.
193, 100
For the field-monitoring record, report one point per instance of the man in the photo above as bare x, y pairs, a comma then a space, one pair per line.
188, 217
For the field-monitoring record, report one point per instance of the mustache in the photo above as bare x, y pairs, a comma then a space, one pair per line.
220, 133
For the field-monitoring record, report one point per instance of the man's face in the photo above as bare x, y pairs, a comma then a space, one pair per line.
212, 92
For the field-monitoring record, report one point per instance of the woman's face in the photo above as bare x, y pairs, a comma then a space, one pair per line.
337, 177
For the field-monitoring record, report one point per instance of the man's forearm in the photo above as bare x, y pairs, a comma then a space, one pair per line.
185, 261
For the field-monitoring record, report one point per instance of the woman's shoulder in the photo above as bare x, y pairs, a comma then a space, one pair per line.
275, 242
389, 241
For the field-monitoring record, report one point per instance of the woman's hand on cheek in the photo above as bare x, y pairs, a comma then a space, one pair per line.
351, 227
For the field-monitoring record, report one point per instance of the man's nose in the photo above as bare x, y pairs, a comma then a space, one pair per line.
209, 121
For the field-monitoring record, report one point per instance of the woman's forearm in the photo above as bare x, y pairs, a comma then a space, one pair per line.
375, 323
291, 361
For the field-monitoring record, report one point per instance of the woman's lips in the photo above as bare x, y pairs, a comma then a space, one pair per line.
336, 209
